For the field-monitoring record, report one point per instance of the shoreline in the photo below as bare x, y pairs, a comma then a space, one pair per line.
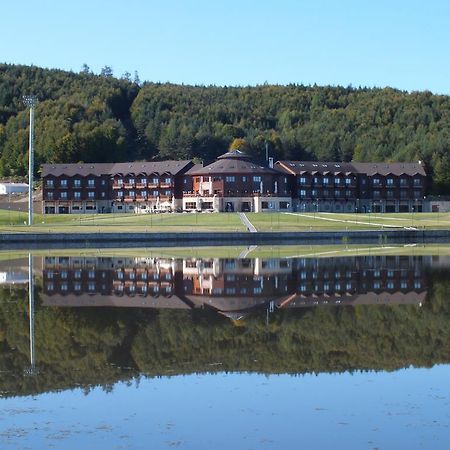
152, 239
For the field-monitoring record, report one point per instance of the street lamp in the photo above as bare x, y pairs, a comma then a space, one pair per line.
30, 100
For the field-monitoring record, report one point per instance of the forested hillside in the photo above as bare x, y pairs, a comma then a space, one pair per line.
96, 118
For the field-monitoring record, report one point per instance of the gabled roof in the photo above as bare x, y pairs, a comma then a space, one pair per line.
370, 169
97, 169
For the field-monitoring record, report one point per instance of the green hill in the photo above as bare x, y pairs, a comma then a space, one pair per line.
87, 117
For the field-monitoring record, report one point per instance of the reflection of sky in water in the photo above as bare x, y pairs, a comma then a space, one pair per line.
404, 409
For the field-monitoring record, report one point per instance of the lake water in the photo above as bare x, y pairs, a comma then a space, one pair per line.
124, 352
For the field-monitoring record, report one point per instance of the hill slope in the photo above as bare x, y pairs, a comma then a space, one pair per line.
85, 117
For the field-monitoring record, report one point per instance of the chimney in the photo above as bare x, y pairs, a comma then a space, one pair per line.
271, 162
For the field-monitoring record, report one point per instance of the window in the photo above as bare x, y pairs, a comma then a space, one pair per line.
144, 193
389, 181
155, 180
119, 182
257, 179
326, 180
302, 180
64, 183
403, 182
143, 180
77, 183
168, 193
49, 183
103, 194
155, 193
103, 183
77, 274
50, 195
91, 194
64, 194
191, 205
131, 193
337, 193
348, 181
284, 205
302, 193
316, 180
337, 181
417, 182
244, 179
77, 195
167, 180
376, 181
91, 182
376, 194
120, 194
230, 179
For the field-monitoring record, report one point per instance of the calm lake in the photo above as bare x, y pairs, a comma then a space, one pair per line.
115, 351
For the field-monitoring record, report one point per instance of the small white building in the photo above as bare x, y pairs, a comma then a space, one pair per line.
13, 188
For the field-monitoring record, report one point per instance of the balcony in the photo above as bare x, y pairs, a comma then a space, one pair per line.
166, 185
129, 199
117, 186
129, 185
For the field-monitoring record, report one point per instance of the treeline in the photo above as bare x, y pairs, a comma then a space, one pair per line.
96, 118
88, 347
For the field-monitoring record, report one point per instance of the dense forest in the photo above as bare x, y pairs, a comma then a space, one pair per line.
78, 347
100, 118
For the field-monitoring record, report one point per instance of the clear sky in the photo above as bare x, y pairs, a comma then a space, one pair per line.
400, 43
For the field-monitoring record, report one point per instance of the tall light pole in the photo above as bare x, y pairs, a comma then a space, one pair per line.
30, 100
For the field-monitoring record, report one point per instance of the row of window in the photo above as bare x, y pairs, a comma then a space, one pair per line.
326, 180
390, 182
91, 182
63, 195
351, 194
166, 193
121, 181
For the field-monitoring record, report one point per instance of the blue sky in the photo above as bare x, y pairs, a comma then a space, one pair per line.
403, 44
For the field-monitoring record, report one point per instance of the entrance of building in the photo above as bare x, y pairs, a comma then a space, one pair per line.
245, 207
229, 207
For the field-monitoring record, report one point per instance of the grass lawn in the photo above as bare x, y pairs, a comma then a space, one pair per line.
84, 223
338, 221
15, 221
301, 251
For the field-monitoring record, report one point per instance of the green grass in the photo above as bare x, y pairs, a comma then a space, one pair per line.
303, 251
15, 221
338, 221
69, 223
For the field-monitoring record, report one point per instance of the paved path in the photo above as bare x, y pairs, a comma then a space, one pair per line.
247, 223
358, 222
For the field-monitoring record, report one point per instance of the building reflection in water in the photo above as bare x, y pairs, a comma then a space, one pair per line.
234, 287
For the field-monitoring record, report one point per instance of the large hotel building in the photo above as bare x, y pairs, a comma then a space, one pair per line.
232, 183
